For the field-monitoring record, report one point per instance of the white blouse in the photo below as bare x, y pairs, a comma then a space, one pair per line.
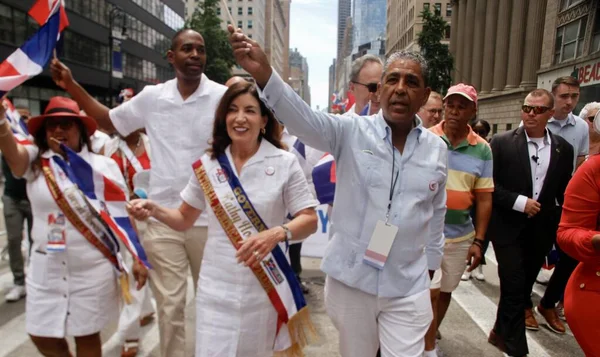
73, 292
234, 317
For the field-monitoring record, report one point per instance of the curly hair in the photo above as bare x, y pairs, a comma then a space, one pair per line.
220, 138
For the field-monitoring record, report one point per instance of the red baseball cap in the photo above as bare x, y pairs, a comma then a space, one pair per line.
61, 107
464, 90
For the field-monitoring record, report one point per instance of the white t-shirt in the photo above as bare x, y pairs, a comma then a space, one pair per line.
178, 130
98, 140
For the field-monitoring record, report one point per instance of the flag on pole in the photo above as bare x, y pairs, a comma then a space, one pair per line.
17, 125
110, 201
324, 179
42, 9
31, 58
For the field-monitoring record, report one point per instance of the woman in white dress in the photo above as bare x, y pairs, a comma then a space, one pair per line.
235, 317
71, 285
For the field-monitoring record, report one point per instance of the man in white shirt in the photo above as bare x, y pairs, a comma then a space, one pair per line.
365, 75
389, 208
178, 117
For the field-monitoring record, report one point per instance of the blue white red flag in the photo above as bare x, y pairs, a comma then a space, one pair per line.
31, 58
43, 9
366, 110
324, 179
17, 125
109, 199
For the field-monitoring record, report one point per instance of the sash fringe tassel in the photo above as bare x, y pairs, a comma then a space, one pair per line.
124, 282
302, 333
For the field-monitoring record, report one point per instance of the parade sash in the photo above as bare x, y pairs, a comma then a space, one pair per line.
82, 216
239, 221
130, 156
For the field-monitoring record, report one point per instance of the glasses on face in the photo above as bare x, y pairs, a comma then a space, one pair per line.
371, 87
536, 109
63, 123
591, 118
435, 111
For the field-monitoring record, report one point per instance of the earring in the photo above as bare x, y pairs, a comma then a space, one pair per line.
263, 131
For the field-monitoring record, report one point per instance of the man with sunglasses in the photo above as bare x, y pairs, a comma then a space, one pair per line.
365, 76
532, 167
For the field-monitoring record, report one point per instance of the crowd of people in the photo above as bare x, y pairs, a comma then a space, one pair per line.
219, 180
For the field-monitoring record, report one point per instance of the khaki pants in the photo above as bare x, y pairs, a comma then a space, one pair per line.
171, 254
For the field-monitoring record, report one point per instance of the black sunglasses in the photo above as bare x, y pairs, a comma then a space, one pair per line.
591, 118
63, 123
536, 109
372, 87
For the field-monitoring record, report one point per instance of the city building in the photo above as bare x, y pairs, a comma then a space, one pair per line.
299, 75
344, 12
376, 47
264, 21
331, 84
147, 29
344, 61
545, 39
404, 22
368, 22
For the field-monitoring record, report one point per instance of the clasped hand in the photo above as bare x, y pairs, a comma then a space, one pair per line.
141, 209
254, 249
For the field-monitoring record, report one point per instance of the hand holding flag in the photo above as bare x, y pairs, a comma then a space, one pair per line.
61, 74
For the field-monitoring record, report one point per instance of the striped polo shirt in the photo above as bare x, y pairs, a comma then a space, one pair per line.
469, 171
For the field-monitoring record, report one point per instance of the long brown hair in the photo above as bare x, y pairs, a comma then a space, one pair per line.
220, 138
41, 142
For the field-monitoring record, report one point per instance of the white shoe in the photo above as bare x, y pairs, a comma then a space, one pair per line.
544, 276
466, 275
479, 274
16, 293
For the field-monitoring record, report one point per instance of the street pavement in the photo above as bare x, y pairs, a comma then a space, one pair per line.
464, 330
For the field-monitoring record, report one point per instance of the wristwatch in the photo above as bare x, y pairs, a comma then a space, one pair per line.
288, 233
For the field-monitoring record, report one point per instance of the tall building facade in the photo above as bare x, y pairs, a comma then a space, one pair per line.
264, 21
299, 75
148, 28
545, 39
344, 12
331, 84
368, 21
404, 22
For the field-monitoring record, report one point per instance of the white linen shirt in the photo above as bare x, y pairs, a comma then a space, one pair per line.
539, 148
234, 316
178, 130
74, 292
363, 152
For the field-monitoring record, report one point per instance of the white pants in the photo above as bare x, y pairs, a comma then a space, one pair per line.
366, 322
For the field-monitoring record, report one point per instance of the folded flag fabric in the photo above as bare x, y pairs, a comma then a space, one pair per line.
366, 110
324, 179
31, 58
17, 125
42, 9
109, 199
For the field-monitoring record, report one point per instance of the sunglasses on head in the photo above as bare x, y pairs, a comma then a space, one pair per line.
371, 87
63, 123
536, 109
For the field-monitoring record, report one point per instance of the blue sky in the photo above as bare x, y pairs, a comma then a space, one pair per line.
313, 31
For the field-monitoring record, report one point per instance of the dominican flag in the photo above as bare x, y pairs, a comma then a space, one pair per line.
42, 9
108, 198
30, 59
324, 179
366, 110
17, 125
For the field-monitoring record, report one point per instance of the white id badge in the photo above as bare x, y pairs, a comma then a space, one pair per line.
380, 244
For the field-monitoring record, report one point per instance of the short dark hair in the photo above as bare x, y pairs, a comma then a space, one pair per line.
568, 80
484, 123
540, 92
177, 35
220, 138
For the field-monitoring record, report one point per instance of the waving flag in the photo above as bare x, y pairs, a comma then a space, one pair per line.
31, 58
17, 125
324, 179
42, 9
109, 199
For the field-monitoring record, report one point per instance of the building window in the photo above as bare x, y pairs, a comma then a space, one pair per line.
250, 11
426, 6
569, 40
250, 24
494, 129
219, 11
84, 50
240, 10
596, 34
508, 126
565, 4
449, 9
447, 35
240, 24
229, 9
249, 35
437, 9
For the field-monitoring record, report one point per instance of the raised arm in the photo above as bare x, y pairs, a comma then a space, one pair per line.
314, 128
16, 155
62, 76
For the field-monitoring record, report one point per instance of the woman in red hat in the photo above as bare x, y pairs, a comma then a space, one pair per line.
71, 283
